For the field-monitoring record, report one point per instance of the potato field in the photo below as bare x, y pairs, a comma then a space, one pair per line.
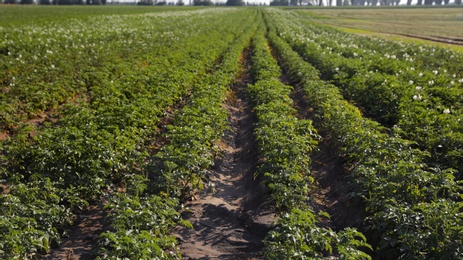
224, 133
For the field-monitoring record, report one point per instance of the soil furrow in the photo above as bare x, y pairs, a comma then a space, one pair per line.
230, 218
332, 190
83, 236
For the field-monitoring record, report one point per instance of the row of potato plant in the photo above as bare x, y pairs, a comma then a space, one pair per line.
414, 211
61, 58
420, 56
422, 102
104, 137
142, 219
285, 144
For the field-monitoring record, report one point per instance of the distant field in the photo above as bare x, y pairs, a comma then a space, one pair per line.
20, 15
437, 24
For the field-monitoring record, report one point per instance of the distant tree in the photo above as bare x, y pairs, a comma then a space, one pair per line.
144, 2
458, 2
180, 3
279, 2
234, 2
26, 2
70, 2
10, 2
203, 2
384, 2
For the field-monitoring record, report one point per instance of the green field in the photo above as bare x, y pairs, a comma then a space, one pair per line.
438, 24
230, 132
36, 14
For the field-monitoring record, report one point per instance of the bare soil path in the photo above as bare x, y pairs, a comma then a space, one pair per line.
332, 192
83, 236
231, 217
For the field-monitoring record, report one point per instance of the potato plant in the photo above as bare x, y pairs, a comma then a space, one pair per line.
400, 86
142, 219
285, 143
85, 99
121, 74
401, 192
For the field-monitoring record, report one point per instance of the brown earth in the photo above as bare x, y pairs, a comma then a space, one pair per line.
4, 189
332, 191
434, 38
83, 236
231, 216
3, 136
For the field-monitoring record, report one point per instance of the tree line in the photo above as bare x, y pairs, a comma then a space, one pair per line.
140, 2
360, 2
56, 2
241, 2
